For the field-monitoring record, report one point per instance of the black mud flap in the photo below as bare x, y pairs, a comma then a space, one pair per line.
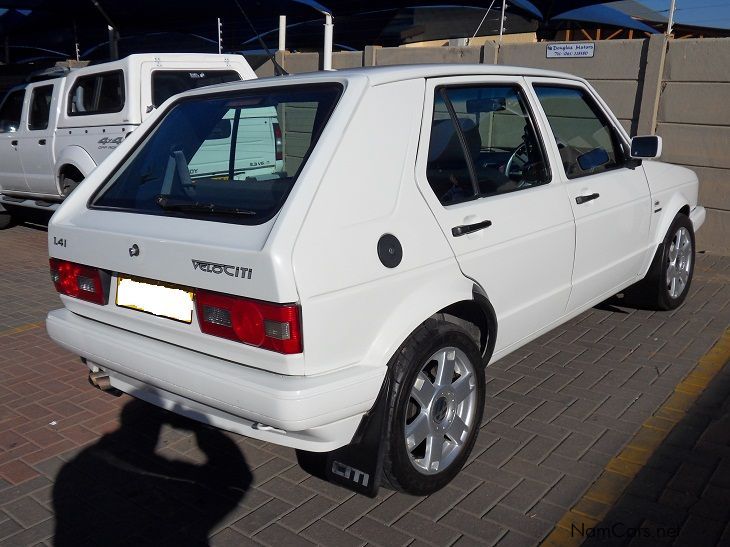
357, 466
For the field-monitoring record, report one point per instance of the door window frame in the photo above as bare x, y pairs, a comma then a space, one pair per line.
21, 91
618, 133
526, 93
33, 92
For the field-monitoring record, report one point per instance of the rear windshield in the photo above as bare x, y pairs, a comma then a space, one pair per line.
231, 157
166, 83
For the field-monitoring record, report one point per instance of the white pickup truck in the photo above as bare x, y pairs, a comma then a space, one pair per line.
53, 133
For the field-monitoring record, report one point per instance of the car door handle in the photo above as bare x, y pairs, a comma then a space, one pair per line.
584, 199
457, 231
14, 143
42, 142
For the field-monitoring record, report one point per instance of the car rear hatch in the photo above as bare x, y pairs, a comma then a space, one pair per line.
183, 257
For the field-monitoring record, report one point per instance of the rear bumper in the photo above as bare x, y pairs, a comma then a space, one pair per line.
316, 413
697, 216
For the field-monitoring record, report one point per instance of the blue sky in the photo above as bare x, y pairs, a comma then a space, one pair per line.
706, 13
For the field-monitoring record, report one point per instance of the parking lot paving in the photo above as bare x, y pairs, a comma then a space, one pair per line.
95, 469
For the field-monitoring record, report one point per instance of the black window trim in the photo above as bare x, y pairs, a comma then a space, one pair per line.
20, 90
30, 108
72, 90
616, 137
522, 93
221, 94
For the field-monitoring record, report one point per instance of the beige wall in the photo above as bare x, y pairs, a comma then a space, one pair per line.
679, 89
693, 118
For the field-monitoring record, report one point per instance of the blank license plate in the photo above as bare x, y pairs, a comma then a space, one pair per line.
159, 299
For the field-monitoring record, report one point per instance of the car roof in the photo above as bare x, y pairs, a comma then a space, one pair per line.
395, 73
375, 76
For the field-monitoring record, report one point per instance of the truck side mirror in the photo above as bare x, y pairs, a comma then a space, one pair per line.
647, 147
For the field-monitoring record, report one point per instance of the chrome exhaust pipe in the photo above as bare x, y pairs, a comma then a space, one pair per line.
100, 380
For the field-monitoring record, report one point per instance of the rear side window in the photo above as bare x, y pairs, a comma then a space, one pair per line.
40, 107
101, 93
483, 143
166, 83
587, 141
11, 110
230, 157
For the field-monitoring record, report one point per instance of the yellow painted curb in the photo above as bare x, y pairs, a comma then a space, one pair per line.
620, 471
21, 328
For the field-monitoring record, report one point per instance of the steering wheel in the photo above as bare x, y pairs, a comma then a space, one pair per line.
515, 164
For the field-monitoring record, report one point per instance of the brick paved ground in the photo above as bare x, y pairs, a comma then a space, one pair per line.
81, 462
682, 494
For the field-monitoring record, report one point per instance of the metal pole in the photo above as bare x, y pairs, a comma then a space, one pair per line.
328, 28
282, 32
113, 45
501, 32
220, 36
671, 19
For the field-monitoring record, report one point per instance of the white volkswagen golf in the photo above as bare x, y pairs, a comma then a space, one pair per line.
422, 222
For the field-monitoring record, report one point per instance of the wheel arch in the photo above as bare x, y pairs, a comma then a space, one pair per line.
447, 288
74, 157
477, 311
677, 204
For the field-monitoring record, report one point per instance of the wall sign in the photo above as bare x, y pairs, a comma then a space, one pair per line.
571, 50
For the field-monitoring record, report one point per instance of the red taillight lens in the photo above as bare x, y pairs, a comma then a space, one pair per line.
79, 281
269, 326
279, 143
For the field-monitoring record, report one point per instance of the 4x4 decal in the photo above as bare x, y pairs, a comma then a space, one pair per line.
214, 268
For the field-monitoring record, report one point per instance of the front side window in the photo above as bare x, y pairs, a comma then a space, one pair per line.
483, 143
231, 157
101, 93
166, 83
40, 107
587, 141
11, 110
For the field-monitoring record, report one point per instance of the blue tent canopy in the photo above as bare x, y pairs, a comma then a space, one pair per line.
60, 25
604, 15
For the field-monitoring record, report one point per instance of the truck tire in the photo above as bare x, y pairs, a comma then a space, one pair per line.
69, 183
8, 217
435, 407
6, 220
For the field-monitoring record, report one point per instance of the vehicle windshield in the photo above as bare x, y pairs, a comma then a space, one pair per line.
230, 157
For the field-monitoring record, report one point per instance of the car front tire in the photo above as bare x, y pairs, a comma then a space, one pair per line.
668, 283
434, 409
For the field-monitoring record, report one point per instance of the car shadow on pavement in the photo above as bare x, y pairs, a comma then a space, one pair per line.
120, 491
680, 496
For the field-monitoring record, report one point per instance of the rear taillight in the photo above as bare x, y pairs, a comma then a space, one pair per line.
269, 326
79, 281
278, 142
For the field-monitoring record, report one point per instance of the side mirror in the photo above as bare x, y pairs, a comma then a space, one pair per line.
646, 147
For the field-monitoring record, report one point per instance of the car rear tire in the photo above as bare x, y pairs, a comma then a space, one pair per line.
434, 409
668, 283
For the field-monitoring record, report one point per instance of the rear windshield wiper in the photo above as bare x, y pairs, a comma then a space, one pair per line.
168, 204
